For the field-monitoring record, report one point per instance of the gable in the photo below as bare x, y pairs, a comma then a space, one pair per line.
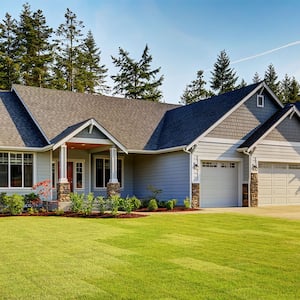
95, 133
287, 131
245, 119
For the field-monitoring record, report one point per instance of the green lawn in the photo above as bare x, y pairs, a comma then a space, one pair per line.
198, 256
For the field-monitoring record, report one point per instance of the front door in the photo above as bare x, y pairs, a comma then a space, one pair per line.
70, 175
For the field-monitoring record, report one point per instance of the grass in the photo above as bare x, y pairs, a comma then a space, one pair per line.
209, 256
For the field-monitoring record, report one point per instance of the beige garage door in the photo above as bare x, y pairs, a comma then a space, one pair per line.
278, 184
219, 184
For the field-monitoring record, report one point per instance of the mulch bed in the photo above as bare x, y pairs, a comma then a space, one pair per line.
137, 214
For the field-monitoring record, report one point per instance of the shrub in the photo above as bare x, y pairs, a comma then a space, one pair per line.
2, 201
88, 204
170, 205
127, 205
152, 205
77, 202
101, 204
135, 202
186, 202
13, 204
115, 203
32, 200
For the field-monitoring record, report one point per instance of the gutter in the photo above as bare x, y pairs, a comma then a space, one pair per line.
160, 151
27, 149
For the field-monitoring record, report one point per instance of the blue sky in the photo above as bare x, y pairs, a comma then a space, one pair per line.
185, 36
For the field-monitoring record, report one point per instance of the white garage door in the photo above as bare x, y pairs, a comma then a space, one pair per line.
219, 184
278, 184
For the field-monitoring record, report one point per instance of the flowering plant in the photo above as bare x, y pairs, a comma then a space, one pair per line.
43, 188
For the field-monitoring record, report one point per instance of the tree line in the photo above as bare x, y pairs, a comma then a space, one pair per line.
34, 54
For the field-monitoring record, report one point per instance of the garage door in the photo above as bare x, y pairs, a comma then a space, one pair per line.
219, 184
278, 184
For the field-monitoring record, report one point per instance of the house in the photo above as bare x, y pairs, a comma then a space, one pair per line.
241, 148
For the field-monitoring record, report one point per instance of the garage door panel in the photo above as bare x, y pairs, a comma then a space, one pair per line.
278, 184
219, 184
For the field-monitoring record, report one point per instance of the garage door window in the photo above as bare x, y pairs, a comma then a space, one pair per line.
209, 164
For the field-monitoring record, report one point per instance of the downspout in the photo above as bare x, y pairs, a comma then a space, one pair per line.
249, 174
190, 174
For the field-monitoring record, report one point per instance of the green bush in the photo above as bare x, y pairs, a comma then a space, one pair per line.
101, 204
135, 202
13, 204
127, 205
115, 203
2, 201
170, 205
77, 202
186, 202
152, 205
88, 204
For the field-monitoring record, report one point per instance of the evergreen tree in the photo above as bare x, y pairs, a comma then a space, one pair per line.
195, 91
242, 84
91, 75
223, 77
271, 79
34, 47
67, 51
135, 79
9, 67
289, 89
256, 78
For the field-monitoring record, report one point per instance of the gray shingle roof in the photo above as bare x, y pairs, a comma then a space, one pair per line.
16, 127
131, 122
181, 126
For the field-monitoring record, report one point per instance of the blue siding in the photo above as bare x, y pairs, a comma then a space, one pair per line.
95, 134
168, 172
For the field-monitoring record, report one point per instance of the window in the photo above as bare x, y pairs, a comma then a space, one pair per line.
102, 170
260, 100
79, 175
53, 175
209, 164
16, 170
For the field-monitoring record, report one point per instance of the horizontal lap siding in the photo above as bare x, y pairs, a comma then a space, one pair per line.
168, 172
277, 153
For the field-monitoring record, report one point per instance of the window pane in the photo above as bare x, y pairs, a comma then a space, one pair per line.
119, 172
28, 170
16, 170
99, 172
3, 169
79, 176
107, 171
53, 175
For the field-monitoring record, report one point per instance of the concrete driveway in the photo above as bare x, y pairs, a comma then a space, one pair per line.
286, 212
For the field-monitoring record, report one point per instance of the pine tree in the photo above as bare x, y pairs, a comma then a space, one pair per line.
135, 79
223, 77
289, 89
9, 67
195, 91
271, 79
256, 78
67, 50
90, 75
242, 84
34, 47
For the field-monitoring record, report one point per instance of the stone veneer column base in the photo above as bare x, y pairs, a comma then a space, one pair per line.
254, 190
195, 195
113, 189
63, 196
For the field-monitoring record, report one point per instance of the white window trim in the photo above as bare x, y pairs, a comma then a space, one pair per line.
54, 184
260, 101
75, 174
9, 187
94, 171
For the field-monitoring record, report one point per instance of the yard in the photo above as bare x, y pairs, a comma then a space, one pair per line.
165, 256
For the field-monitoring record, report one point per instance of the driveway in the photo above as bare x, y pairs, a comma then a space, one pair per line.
286, 212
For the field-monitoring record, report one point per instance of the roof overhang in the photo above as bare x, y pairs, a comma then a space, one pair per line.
26, 149
160, 151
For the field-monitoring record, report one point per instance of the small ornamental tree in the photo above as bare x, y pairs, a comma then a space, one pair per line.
43, 189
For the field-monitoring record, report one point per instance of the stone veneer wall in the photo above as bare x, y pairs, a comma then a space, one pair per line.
113, 189
195, 195
254, 190
63, 192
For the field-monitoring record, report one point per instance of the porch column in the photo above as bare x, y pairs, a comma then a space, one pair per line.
113, 186
63, 164
63, 186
